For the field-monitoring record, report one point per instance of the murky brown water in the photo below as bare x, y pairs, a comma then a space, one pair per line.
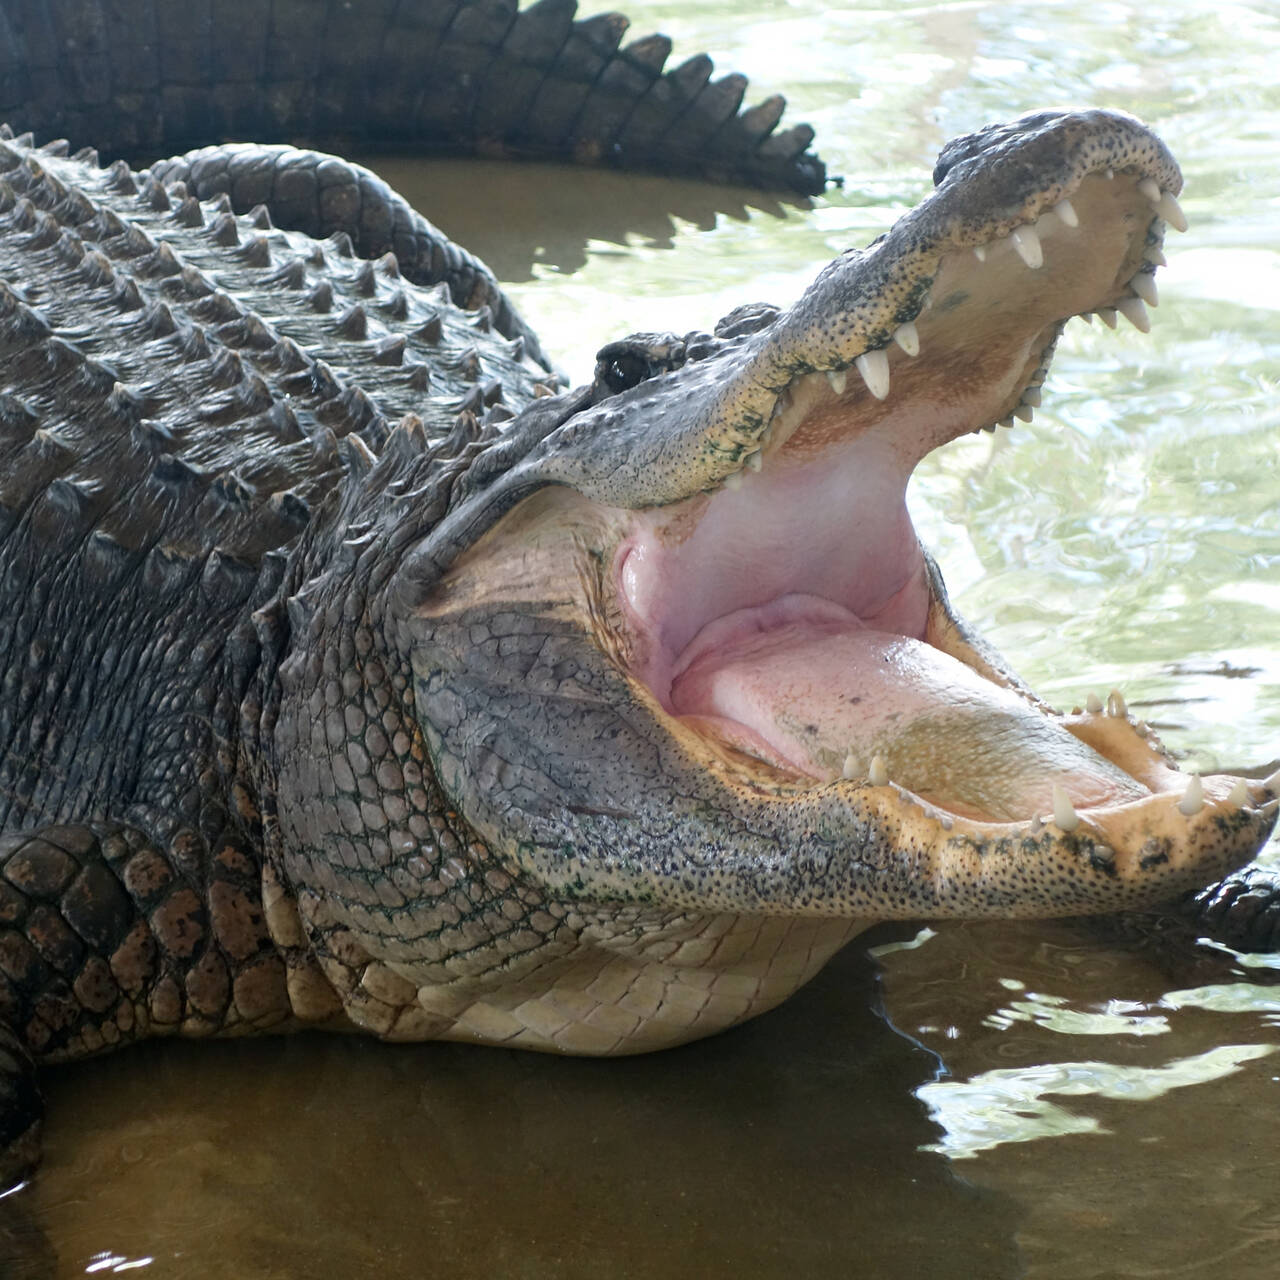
1044, 1100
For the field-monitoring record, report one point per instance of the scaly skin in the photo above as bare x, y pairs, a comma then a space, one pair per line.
141, 79
312, 719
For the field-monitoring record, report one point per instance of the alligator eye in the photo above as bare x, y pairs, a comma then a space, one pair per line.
624, 371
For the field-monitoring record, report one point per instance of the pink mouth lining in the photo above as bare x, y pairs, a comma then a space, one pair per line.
788, 618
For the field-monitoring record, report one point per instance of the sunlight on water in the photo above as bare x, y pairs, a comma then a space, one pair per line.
1010, 1105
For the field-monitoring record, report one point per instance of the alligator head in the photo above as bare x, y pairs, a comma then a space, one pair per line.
680, 662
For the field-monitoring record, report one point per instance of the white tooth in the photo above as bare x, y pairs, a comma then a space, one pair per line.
1135, 312
839, 379
1109, 174
1238, 796
945, 821
1086, 316
1272, 784
980, 252
1144, 285
1004, 422
1171, 211
850, 770
1093, 704
908, 338
878, 773
733, 481
754, 461
1027, 244
1116, 705
1108, 316
1067, 213
874, 367
1193, 798
1037, 825
1155, 256
1031, 396
1024, 412
1150, 188
1063, 813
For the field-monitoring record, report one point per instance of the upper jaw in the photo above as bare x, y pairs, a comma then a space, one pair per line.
811, 523
708, 418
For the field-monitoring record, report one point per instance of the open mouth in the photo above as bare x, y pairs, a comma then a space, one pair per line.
789, 616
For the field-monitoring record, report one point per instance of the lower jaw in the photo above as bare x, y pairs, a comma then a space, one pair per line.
804, 686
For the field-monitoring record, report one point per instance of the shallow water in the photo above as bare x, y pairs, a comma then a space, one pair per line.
1063, 1100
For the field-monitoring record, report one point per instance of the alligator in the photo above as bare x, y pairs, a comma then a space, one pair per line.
358, 675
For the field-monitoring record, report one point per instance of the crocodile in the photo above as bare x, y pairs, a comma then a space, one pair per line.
358, 675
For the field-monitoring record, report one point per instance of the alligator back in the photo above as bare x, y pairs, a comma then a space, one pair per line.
182, 395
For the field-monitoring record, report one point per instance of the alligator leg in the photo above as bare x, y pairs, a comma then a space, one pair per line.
446, 76
108, 935
319, 194
1242, 912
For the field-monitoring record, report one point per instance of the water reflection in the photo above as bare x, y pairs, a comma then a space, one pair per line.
1143, 1149
793, 1146
523, 219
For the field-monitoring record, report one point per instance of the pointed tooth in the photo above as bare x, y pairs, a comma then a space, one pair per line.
1116, 705
1093, 704
1066, 211
1108, 316
1024, 412
733, 480
908, 338
1271, 784
980, 252
1032, 396
1004, 422
839, 379
1027, 244
1135, 312
874, 368
1109, 174
1155, 255
754, 461
1238, 796
1086, 316
850, 769
1037, 825
1064, 814
1150, 188
1193, 798
1171, 211
1144, 285
878, 773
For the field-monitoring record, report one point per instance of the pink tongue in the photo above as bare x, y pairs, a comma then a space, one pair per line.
826, 694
